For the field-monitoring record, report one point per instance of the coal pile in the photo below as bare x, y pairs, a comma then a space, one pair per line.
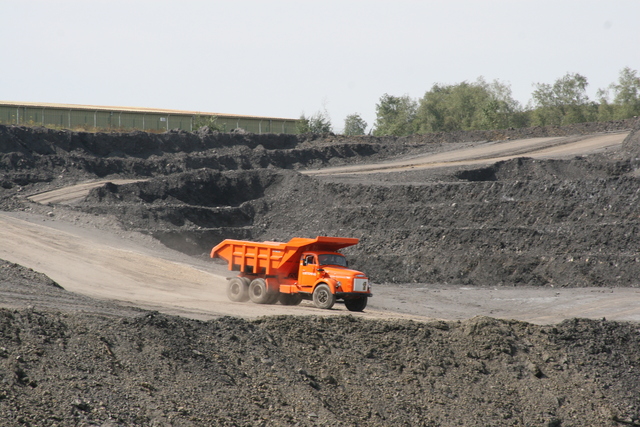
80, 369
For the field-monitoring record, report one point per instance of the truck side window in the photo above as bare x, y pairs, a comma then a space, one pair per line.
309, 259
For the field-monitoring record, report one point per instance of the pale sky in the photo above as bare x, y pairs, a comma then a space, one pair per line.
283, 58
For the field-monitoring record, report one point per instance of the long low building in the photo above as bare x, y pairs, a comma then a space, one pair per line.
71, 116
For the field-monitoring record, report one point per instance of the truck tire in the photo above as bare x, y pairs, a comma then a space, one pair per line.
259, 292
273, 298
290, 299
356, 304
238, 289
322, 297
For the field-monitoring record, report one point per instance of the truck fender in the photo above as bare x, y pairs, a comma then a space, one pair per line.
331, 282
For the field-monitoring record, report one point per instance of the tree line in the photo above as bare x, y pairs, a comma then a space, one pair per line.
490, 105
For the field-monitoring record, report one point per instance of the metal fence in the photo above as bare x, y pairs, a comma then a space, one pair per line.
74, 117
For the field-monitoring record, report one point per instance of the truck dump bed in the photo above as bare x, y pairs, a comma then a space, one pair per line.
274, 258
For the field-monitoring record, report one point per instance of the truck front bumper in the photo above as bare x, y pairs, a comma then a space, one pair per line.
352, 295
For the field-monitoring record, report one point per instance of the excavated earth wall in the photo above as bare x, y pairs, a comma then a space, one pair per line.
519, 222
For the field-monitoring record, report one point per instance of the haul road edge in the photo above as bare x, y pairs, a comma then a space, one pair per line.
302, 268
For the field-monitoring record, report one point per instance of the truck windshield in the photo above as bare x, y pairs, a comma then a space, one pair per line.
332, 259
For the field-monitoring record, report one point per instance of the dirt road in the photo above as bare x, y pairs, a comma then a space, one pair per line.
99, 265
134, 271
73, 193
491, 152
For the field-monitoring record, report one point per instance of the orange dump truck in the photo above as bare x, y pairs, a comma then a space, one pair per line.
290, 272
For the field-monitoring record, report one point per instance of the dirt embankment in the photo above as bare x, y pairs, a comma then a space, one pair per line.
547, 229
34, 155
152, 369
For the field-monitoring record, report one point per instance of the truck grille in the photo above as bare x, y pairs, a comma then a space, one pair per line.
360, 285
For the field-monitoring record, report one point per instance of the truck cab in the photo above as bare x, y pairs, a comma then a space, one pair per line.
331, 268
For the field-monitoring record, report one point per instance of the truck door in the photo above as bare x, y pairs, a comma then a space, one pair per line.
308, 270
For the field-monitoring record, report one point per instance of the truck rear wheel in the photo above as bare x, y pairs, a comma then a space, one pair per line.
322, 297
290, 299
259, 292
356, 304
273, 298
238, 289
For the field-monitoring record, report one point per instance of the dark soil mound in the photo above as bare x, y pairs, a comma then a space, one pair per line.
161, 370
22, 277
21, 288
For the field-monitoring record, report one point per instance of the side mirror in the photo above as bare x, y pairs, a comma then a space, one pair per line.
320, 270
304, 262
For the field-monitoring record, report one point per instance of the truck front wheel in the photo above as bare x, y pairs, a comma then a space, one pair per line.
322, 297
259, 292
238, 289
356, 304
